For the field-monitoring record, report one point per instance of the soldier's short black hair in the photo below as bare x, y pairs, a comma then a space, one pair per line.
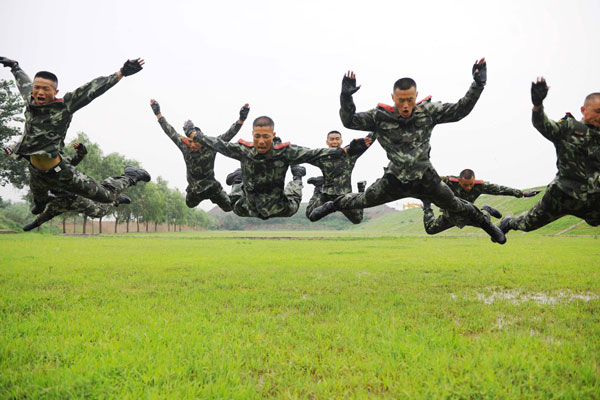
405, 84
47, 75
334, 132
263, 121
467, 174
591, 96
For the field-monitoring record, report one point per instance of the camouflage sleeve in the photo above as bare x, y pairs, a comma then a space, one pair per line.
83, 95
364, 121
299, 154
231, 132
452, 112
23, 82
491, 188
171, 133
232, 150
548, 128
76, 159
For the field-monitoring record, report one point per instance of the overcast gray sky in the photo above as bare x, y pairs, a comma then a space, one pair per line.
205, 59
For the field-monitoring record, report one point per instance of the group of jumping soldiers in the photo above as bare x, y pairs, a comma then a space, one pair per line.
258, 187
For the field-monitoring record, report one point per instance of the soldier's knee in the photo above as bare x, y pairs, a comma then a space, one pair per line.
191, 202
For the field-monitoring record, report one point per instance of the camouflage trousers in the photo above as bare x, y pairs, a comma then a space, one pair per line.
72, 203
66, 178
269, 207
428, 188
556, 204
318, 199
207, 190
445, 221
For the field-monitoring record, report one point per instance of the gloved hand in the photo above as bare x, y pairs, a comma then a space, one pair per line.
539, 90
531, 193
480, 72
349, 84
132, 66
7, 62
244, 112
155, 107
357, 146
188, 127
81, 149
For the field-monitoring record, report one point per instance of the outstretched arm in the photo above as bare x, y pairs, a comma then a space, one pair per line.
548, 128
232, 150
166, 127
235, 128
491, 188
23, 81
452, 112
364, 121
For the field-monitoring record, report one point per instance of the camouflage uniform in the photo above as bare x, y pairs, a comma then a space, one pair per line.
406, 142
70, 202
45, 130
576, 188
200, 172
337, 174
448, 220
263, 175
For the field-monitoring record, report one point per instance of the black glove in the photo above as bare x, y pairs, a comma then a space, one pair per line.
531, 193
188, 127
480, 77
539, 90
82, 150
349, 86
155, 108
244, 113
131, 67
7, 62
357, 146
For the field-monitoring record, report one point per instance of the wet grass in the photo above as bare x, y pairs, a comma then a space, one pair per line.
213, 316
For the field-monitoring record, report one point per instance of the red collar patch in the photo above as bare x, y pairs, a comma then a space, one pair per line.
428, 98
452, 179
281, 145
386, 107
245, 143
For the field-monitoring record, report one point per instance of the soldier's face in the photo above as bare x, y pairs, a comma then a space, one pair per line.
466, 184
44, 91
263, 138
334, 140
591, 111
405, 100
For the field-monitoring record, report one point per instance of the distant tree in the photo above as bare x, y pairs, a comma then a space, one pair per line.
11, 107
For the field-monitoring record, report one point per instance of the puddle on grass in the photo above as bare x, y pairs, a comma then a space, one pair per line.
540, 298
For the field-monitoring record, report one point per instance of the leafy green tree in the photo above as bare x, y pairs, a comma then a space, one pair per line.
11, 107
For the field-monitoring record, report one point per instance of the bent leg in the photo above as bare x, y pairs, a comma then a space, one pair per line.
383, 190
314, 202
435, 225
222, 200
293, 193
548, 209
354, 216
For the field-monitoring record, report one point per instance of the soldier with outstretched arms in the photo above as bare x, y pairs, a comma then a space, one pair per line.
200, 161
47, 119
466, 187
576, 188
404, 131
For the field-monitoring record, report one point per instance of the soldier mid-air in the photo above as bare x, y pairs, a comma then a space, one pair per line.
576, 188
336, 179
264, 166
200, 162
466, 187
404, 131
47, 119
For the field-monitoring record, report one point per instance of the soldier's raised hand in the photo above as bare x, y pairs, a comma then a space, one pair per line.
132, 66
155, 106
531, 193
188, 127
80, 148
7, 62
539, 91
349, 84
479, 72
244, 112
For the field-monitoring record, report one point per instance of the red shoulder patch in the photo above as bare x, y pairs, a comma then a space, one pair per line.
428, 98
245, 143
386, 107
452, 179
281, 145
61, 99
185, 140
569, 115
478, 182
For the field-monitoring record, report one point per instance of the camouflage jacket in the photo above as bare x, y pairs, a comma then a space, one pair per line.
199, 164
46, 125
577, 153
337, 173
406, 140
479, 188
263, 175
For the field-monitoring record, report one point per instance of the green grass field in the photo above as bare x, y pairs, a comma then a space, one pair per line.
211, 315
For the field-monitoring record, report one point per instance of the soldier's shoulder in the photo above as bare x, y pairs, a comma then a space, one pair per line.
450, 178
281, 145
567, 118
385, 107
245, 143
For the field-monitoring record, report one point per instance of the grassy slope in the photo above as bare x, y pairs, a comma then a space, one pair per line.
197, 315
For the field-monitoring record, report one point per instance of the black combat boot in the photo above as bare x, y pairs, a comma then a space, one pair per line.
362, 185
298, 171
505, 224
136, 175
494, 212
316, 180
32, 225
122, 199
234, 177
495, 233
322, 211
